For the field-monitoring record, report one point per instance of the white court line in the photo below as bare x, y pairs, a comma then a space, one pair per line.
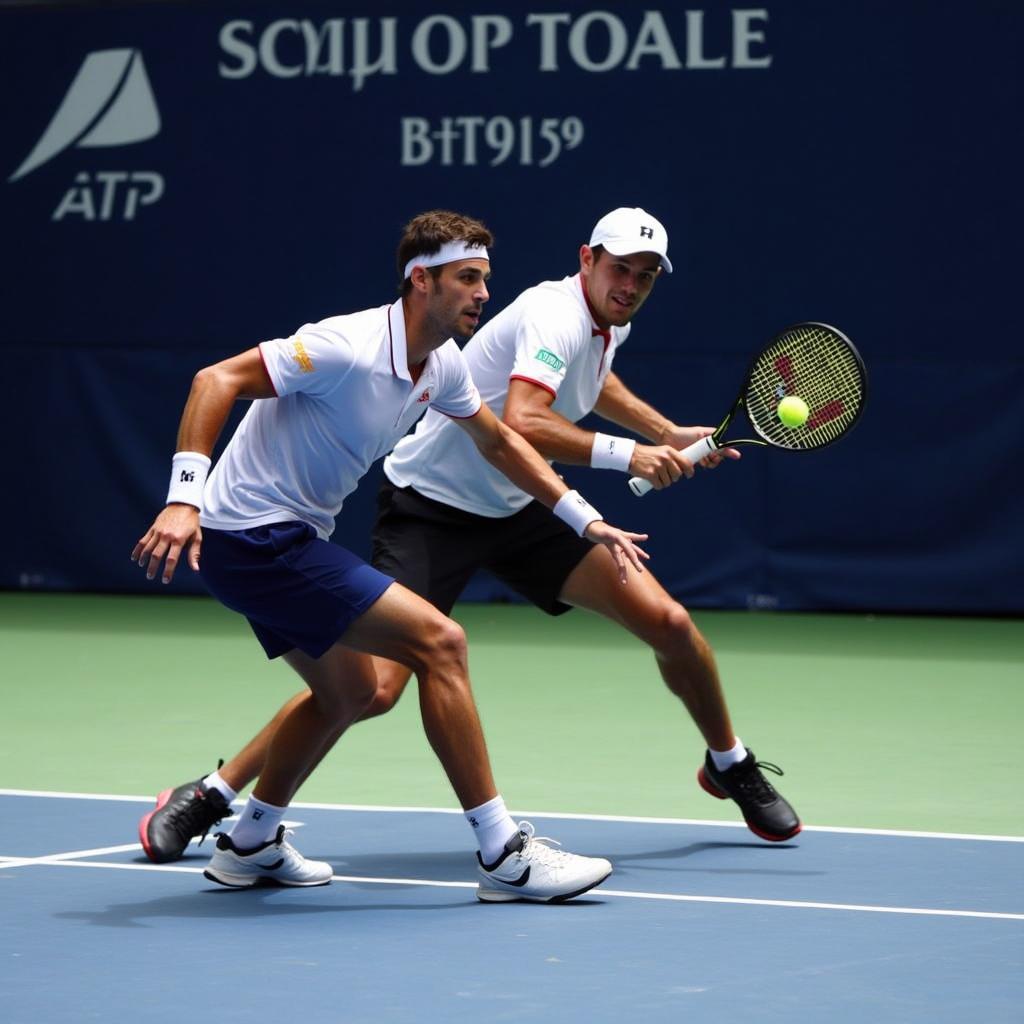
71, 855
381, 809
57, 861
808, 905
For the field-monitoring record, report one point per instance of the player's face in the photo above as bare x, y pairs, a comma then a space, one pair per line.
617, 286
458, 297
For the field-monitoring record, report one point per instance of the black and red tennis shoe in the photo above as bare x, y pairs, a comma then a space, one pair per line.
180, 815
765, 811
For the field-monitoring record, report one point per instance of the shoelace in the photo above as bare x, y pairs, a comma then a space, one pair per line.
193, 816
285, 847
754, 785
544, 853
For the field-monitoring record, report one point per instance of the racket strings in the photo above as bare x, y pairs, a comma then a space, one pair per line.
817, 365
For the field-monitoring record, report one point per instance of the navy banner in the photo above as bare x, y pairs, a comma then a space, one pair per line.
179, 182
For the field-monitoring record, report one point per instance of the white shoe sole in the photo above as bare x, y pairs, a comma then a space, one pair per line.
248, 881
488, 895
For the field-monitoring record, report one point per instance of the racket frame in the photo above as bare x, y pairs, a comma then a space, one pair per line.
705, 446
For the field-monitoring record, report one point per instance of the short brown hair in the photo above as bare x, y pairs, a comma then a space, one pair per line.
427, 232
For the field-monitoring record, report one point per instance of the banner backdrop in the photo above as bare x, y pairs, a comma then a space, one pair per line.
178, 182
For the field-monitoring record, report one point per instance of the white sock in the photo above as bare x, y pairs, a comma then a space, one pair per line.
493, 826
214, 781
725, 759
256, 824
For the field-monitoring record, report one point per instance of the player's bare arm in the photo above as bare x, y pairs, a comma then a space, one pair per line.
215, 389
528, 410
508, 452
618, 404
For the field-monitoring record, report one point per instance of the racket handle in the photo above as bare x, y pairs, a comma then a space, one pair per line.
693, 453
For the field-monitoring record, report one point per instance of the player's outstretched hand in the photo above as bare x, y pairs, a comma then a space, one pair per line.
621, 544
174, 529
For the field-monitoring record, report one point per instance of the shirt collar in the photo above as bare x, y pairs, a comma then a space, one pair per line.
397, 341
595, 331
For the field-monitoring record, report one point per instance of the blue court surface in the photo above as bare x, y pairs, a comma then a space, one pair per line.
700, 921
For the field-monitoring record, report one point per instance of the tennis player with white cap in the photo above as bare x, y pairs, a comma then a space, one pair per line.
542, 363
331, 399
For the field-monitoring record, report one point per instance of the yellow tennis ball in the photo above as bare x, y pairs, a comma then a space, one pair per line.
793, 411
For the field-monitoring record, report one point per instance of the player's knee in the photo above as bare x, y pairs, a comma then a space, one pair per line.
677, 630
346, 699
446, 644
381, 704
390, 686
363, 690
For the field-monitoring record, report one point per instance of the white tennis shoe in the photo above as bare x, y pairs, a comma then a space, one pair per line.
276, 862
529, 869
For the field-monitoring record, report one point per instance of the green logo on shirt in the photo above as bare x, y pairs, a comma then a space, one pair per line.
550, 359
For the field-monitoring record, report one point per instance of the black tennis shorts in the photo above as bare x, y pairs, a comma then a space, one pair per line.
434, 549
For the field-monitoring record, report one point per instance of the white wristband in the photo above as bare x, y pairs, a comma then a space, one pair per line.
574, 510
611, 452
188, 477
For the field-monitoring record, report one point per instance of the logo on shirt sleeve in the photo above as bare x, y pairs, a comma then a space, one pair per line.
301, 356
549, 359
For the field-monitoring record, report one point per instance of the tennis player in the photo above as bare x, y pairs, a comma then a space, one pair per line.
330, 400
543, 363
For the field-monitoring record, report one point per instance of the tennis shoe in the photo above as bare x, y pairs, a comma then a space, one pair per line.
529, 869
765, 811
275, 862
179, 816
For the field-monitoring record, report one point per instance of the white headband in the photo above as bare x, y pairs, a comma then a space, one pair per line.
448, 253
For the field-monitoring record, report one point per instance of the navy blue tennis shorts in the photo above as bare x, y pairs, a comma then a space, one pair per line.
295, 589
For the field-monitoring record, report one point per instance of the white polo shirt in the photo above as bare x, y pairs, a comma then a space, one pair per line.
344, 397
546, 336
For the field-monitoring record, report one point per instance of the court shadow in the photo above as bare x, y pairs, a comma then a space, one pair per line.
623, 861
439, 865
235, 905
244, 905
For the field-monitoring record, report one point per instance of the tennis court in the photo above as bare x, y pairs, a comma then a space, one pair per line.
899, 902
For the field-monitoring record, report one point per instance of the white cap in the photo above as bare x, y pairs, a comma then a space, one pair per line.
628, 230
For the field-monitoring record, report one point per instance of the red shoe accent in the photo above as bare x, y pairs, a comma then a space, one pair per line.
144, 824
709, 787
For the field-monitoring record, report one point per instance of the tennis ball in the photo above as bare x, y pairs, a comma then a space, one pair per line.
793, 411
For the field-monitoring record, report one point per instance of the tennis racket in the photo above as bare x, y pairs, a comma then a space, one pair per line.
813, 361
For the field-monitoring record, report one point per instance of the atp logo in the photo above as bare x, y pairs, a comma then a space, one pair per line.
109, 103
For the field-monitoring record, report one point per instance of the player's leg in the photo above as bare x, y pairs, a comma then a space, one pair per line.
685, 659
403, 627
247, 764
688, 668
189, 811
299, 594
431, 549
341, 683
405, 547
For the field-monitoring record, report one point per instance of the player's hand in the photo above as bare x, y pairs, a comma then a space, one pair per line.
660, 465
621, 544
174, 529
683, 437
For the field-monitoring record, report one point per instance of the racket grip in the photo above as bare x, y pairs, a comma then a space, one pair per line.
692, 453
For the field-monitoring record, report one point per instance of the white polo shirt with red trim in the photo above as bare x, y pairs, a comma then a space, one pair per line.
546, 336
344, 397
